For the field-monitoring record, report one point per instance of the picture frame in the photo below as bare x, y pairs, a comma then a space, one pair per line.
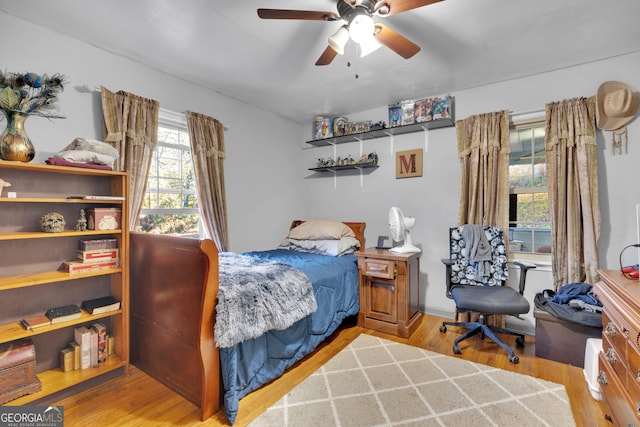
409, 163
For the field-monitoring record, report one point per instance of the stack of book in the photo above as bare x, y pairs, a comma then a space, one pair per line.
88, 349
94, 255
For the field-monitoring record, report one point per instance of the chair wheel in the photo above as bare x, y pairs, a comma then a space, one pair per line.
514, 359
520, 341
456, 349
443, 328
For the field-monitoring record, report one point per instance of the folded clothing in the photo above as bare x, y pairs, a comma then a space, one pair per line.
83, 156
62, 162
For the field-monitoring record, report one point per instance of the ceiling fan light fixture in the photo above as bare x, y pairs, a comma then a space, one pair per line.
368, 46
361, 28
339, 39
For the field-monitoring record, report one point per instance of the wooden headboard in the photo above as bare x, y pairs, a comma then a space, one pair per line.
357, 227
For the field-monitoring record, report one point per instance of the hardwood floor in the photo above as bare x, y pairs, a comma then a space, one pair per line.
139, 400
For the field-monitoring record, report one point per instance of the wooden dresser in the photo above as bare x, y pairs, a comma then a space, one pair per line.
389, 291
619, 362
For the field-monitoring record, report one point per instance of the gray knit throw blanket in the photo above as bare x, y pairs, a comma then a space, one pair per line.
256, 296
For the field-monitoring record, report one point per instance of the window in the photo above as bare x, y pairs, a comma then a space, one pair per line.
529, 221
170, 205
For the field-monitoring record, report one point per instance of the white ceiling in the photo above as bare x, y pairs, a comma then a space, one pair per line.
223, 45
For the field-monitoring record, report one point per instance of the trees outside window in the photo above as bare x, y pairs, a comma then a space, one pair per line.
171, 204
529, 221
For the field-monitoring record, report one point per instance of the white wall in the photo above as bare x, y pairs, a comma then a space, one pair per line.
433, 198
263, 186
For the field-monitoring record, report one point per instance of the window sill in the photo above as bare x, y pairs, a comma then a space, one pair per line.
541, 261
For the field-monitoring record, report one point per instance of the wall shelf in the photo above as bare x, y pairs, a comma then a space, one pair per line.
338, 168
398, 130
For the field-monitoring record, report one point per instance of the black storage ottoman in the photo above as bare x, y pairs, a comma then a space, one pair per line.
560, 340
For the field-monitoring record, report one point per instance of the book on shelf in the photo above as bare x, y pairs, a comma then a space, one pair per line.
66, 359
101, 305
76, 354
74, 267
98, 255
89, 245
64, 313
93, 345
90, 197
82, 336
37, 321
111, 345
101, 331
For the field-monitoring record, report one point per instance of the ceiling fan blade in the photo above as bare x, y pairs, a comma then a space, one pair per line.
327, 56
394, 41
309, 15
398, 6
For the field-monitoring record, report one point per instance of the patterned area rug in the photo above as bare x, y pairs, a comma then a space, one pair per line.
376, 382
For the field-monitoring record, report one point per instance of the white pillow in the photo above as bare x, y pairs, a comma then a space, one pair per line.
320, 229
93, 146
332, 247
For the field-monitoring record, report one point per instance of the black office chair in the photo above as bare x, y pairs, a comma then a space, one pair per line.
476, 275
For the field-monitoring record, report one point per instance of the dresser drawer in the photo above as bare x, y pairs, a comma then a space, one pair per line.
622, 410
625, 317
619, 362
615, 358
614, 334
633, 362
381, 268
633, 389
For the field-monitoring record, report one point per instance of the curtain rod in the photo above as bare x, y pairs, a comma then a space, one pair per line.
95, 89
522, 113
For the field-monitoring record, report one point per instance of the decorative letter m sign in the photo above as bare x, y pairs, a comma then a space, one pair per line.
409, 163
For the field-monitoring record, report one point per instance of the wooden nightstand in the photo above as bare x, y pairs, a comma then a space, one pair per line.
389, 291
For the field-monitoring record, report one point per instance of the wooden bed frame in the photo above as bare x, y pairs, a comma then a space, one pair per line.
174, 284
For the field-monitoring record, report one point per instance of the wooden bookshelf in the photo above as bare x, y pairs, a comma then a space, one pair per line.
31, 280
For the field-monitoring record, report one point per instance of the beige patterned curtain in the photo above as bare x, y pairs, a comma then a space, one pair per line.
483, 150
570, 143
131, 126
207, 147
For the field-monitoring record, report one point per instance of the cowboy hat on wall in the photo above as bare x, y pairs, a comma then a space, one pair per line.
616, 104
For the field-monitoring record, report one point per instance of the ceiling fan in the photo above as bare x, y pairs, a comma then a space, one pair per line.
359, 26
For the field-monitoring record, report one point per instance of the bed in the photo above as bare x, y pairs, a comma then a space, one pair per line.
174, 290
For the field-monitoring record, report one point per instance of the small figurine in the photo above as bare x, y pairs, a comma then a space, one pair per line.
3, 184
52, 222
81, 223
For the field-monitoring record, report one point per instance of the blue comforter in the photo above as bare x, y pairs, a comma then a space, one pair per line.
252, 363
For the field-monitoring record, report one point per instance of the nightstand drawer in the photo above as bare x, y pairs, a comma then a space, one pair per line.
383, 269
